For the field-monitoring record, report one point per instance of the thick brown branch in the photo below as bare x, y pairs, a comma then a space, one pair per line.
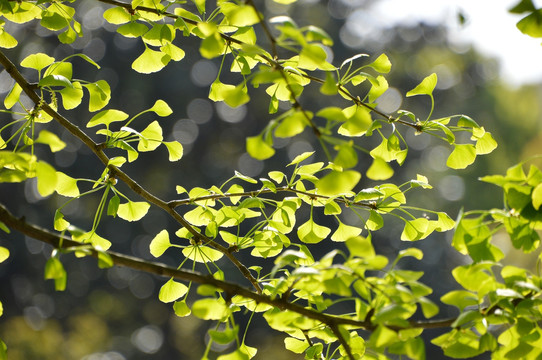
115, 171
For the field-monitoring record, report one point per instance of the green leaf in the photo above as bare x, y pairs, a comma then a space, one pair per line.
160, 243
151, 137
313, 57
202, 254
295, 345
13, 96
7, 42
210, 309
171, 291
460, 299
117, 16
55, 80
181, 309
361, 247
531, 24
243, 15
175, 150
37, 61
54, 270
415, 229
413, 252
107, 117
357, 123
100, 94
382, 64
462, 156
133, 211
132, 29
47, 178
150, 61
4, 254
59, 223
379, 170
375, 221
258, 148
345, 232
292, 125
337, 182
312, 233
113, 206
72, 96
486, 144
161, 108
51, 139
537, 196
426, 87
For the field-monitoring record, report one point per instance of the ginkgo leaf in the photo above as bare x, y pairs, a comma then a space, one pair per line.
4, 254
172, 291
37, 61
161, 108
462, 156
51, 139
150, 61
202, 254
106, 117
312, 233
175, 150
426, 87
47, 178
258, 148
133, 211
338, 182
151, 137
160, 243
345, 232
66, 185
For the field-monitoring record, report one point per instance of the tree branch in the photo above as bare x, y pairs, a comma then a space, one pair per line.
115, 171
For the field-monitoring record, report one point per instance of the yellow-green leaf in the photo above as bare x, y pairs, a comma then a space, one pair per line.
537, 196
171, 291
462, 156
150, 61
4, 254
151, 137
175, 150
337, 182
161, 108
201, 253
312, 233
258, 148
133, 211
51, 139
379, 170
47, 178
160, 243
37, 61
66, 185
345, 232
106, 117
426, 87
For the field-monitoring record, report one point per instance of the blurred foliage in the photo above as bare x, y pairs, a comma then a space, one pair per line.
213, 136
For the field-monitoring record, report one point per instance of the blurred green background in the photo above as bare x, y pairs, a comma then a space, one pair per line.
114, 314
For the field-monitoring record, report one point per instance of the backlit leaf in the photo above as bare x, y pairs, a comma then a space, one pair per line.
426, 87
161, 108
202, 254
175, 150
345, 232
37, 61
106, 117
258, 148
337, 182
160, 243
151, 137
210, 309
150, 61
133, 211
312, 233
4, 254
47, 178
66, 185
462, 156
171, 291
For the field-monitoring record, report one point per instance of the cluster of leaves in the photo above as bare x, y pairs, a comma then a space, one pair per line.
326, 305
